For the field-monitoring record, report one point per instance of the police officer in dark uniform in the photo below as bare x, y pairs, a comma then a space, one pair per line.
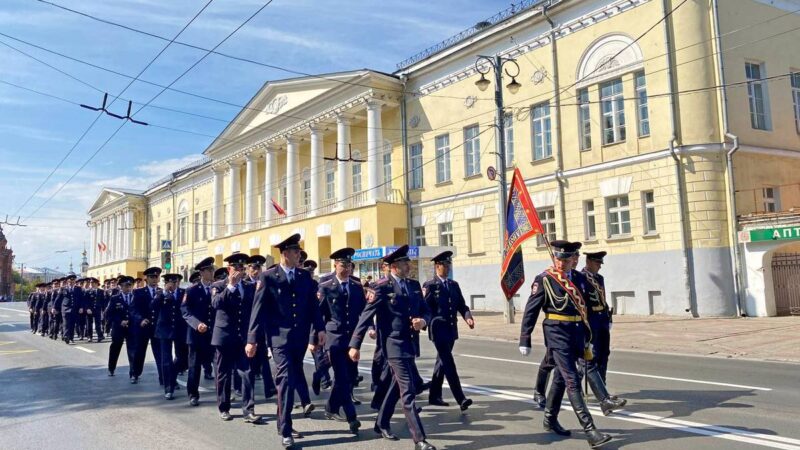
31, 311
254, 266
221, 274
401, 312
170, 329
93, 307
199, 315
144, 323
321, 378
43, 311
445, 300
54, 305
286, 308
233, 302
117, 313
71, 305
80, 317
341, 303
566, 331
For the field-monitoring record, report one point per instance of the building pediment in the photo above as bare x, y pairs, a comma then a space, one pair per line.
109, 196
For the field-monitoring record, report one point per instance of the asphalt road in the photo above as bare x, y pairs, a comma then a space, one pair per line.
59, 396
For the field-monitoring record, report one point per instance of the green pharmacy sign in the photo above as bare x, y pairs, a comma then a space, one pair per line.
775, 234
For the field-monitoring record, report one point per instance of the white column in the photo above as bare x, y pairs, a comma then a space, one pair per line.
317, 169
93, 261
342, 153
233, 216
129, 235
292, 176
374, 146
101, 257
123, 247
218, 203
270, 180
114, 236
250, 191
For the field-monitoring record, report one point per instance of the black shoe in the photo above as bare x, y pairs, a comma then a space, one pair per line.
333, 416
287, 442
424, 386
386, 434
359, 379
552, 425
296, 434
208, 376
194, 401
315, 383
596, 438
226, 416
111, 373
307, 409
238, 394
355, 401
437, 402
326, 385
169, 396
134, 380
252, 418
423, 446
608, 406
466, 404
271, 393
539, 399
354, 426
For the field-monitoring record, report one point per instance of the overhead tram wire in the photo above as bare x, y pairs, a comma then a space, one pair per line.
185, 72
153, 60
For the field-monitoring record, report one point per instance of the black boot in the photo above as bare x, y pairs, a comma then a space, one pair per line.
594, 437
551, 409
607, 405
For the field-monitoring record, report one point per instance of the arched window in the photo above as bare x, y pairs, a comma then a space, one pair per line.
607, 58
183, 217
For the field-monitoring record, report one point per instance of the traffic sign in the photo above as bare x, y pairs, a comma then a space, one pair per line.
166, 245
491, 173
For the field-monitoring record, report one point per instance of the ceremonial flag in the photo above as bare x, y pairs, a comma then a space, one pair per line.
522, 222
102, 247
278, 208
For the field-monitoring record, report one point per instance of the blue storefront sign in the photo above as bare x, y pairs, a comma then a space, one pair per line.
366, 254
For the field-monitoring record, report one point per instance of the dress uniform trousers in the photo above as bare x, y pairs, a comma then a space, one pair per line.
288, 378
44, 322
200, 353
545, 367
55, 325
168, 373
601, 342
445, 367
229, 360
80, 324
68, 324
322, 364
96, 319
144, 337
403, 387
266, 371
342, 390
115, 349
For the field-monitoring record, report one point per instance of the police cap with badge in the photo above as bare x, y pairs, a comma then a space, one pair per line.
565, 249
172, 277
292, 242
343, 255
256, 261
237, 259
207, 263
596, 256
399, 255
152, 272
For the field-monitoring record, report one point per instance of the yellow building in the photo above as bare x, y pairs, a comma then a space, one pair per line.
636, 134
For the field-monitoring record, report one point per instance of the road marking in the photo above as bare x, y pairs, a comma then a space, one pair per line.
83, 349
16, 352
8, 324
199, 389
24, 315
5, 316
630, 374
8, 342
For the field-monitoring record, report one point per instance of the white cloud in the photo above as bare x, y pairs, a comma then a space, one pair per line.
25, 132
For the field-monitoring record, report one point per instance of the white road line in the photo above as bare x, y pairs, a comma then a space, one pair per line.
199, 389
11, 309
8, 324
24, 315
630, 374
5, 316
83, 349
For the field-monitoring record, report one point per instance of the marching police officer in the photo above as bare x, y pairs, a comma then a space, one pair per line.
233, 302
566, 329
254, 266
54, 305
199, 315
144, 323
41, 308
445, 300
30, 302
71, 305
170, 329
117, 313
341, 303
401, 313
286, 308
94, 299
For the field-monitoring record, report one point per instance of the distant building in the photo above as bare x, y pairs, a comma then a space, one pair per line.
6, 267
41, 274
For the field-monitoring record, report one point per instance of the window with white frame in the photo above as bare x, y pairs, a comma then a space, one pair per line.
641, 104
771, 199
446, 234
757, 95
284, 193
443, 158
584, 119
196, 228
540, 124
508, 126
618, 214
547, 217
306, 187
158, 237
356, 172
472, 151
169, 231
589, 223
387, 170
612, 107
182, 231
649, 210
416, 165
419, 236
330, 186
205, 225
796, 98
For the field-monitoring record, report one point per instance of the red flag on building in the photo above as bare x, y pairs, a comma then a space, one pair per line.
278, 208
101, 247
522, 223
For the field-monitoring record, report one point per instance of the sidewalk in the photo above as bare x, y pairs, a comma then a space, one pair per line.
768, 338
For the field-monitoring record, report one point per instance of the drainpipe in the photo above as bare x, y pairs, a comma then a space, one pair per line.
175, 230
559, 173
732, 213
406, 162
688, 278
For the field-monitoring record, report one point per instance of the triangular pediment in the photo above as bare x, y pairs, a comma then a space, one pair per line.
110, 195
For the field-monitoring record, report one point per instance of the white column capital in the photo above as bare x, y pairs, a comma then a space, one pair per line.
291, 140
251, 155
344, 118
374, 104
315, 130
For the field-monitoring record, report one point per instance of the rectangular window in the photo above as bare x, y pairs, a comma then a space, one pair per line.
356, 178
169, 231
387, 170
771, 199
329, 184
205, 225
589, 220
641, 104
612, 107
443, 158
416, 165
475, 232
182, 231
196, 227
508, 125
649, 205
584, 119
306, 193
419, 237
446, 234
542, 143
757, 95
547, 216
472, 151
796, 99
157, 245
619, 216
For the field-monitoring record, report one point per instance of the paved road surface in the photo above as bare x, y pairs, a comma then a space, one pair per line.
59, 396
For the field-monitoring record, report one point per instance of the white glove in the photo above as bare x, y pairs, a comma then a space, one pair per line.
525, 351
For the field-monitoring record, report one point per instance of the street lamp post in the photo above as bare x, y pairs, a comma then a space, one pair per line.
496, 63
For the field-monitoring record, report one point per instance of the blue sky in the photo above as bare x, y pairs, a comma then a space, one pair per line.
36, 132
